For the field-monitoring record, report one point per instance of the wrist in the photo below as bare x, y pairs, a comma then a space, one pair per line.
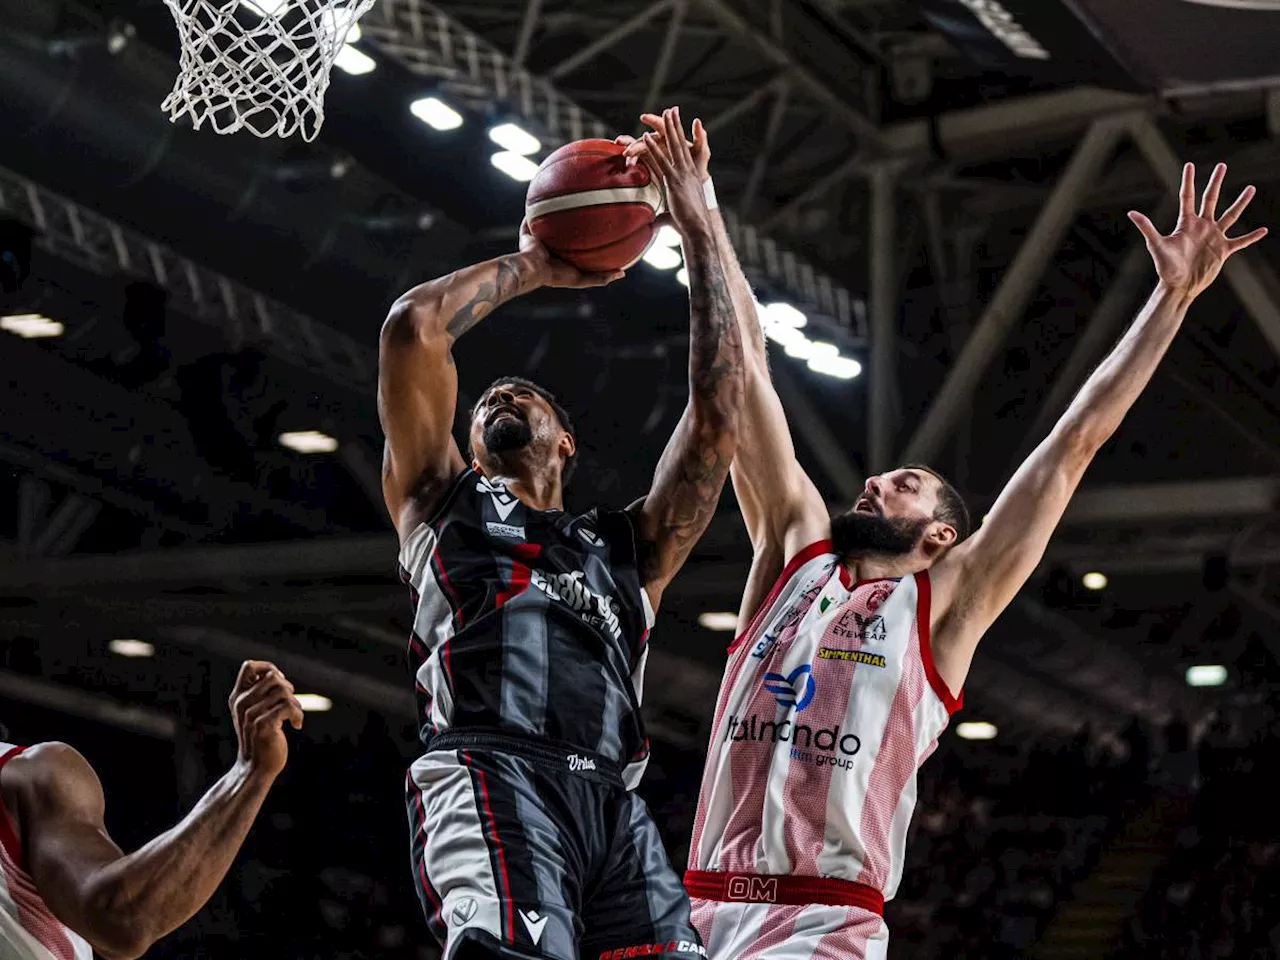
533, 269
1182, 295
250, 776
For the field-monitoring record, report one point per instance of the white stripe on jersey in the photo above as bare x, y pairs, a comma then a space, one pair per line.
432, 621
829, 705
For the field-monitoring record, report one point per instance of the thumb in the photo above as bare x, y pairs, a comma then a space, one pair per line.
1145, 226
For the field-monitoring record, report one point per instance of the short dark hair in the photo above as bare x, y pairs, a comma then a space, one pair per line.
951, 508
566, 421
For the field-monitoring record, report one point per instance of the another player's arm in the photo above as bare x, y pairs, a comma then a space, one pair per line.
979, 578
123, 903
781, 507
695, 464
417, 379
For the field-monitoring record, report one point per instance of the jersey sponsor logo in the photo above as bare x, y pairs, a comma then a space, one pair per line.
463, 910
865, 629
534, 924
505, 530
590, 536
851, 656
796, 689
763, 646
824, 747
577, 763
753, 889
572, 590
655, 949
504, 501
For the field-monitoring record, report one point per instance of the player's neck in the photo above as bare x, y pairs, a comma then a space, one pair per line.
879, 566
536, 489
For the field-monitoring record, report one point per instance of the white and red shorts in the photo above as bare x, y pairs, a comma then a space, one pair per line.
761, 917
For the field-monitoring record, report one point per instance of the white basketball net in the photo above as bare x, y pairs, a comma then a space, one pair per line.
258, 65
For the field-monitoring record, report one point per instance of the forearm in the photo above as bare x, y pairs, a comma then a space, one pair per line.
1115, 385
451, 305
744, 302
137, 899
715, 340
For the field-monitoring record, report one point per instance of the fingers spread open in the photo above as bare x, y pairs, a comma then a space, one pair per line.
1237, 209
1236, 244
1143, 223
1209, 204
1187, 193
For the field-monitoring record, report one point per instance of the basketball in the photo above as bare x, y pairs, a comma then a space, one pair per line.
591, 209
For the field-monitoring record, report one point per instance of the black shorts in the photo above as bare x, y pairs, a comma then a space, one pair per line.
523, 849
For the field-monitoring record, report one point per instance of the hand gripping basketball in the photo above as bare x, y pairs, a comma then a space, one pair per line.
261, 703
551, 271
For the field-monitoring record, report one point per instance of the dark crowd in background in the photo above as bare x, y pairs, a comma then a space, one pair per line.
1168, 830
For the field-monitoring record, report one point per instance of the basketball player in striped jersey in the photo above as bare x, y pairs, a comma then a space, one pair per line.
66, 890
531, 623
856, 632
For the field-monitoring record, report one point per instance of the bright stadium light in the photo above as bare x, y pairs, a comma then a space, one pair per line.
31, 325
1206, 675
718, 621
436, 114
355, 62
806, 349
314, 702
516, 139
976, 730
131, 648
683, 275
664, 258
354, 34
515, 166
308, 441
842, 368
667, 236
785, 314
1094, 581
784, 335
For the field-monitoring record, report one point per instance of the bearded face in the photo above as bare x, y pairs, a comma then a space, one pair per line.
858, 532
506, 432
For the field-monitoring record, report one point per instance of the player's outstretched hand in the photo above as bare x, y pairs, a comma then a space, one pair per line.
699, 147
554, 272
261, 703
1190, 258
668, 151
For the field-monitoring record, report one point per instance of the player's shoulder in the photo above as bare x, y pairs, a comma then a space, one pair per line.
50, 760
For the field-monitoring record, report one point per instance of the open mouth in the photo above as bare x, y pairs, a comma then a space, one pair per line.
498, 413
865, 506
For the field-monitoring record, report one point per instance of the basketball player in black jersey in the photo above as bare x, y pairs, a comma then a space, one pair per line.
529, 639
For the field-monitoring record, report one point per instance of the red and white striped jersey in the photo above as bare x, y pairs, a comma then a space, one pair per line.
830, 703
28, 931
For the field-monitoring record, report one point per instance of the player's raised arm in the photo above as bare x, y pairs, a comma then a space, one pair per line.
979, 578
417, 381
691, 474
120, 903
782, 509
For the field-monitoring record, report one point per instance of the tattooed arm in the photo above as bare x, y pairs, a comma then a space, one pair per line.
417, 380
693, 468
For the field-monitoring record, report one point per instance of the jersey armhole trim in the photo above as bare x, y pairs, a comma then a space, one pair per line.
8, 835
455, 485
952, 702
789, 571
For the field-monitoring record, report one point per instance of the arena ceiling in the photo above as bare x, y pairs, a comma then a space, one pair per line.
962, 229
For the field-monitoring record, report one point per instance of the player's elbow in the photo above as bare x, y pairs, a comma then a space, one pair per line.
120, 926
1078, 441
411, 319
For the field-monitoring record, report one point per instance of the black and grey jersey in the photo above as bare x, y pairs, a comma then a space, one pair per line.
528, 622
